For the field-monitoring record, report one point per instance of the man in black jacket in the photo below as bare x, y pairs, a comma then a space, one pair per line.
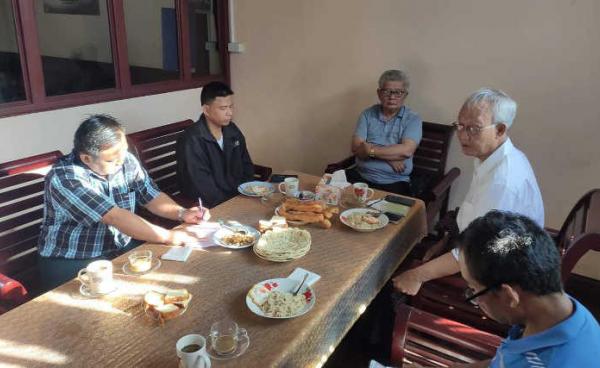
212, 158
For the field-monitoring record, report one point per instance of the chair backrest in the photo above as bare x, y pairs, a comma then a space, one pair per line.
577, 249
430, 340
432, 153
21, 212
155, 148
584, 217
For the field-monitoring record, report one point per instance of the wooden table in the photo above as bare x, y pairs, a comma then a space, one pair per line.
61, 328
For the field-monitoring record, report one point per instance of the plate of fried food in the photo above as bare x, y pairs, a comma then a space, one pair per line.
274, 298
299, 212
256, 188
364, 219
283, 245
245, 236
163, 306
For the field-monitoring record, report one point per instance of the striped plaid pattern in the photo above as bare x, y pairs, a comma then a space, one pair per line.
76, 199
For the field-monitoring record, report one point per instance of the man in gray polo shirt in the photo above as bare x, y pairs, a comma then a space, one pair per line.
386, 137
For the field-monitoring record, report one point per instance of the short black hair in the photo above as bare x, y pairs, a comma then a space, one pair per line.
97, 133
508, 248
213, 90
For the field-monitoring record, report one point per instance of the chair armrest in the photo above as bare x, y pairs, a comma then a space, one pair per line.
444, 184
262, 173
12, 290
340, 165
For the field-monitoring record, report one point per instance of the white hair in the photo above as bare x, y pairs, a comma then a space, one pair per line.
504, 108
394, 75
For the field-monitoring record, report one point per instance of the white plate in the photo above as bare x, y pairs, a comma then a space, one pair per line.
128, 271
383, 219
243, 188
295, 223
85, 291
219, 234
283, 285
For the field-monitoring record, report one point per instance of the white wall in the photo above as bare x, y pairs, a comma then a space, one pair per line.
30, 134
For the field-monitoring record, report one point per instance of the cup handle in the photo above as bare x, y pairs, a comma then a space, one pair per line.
370, 193
205, 360
82, 277
279, 187
242, 332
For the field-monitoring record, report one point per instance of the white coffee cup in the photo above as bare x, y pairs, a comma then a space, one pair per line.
97, 277
191, 350
290, 187
362, 192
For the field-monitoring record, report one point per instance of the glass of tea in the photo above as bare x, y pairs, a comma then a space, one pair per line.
225, 336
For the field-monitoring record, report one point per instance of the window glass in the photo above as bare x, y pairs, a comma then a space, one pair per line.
204, 48
12, 87
75, 46
152, 46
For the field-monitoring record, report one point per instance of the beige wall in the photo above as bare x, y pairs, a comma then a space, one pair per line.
311, 67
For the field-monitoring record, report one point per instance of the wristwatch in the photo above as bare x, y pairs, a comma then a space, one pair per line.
180, 213
371, 152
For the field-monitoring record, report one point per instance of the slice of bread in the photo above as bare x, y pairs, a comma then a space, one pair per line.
176, 296
168, 311
154, 298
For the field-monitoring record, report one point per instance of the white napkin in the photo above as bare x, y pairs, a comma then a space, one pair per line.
338, 179
180, 254
204, 231
299, 273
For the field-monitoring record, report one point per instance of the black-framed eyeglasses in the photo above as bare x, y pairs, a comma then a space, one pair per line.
471, 130
471, 296
393, 92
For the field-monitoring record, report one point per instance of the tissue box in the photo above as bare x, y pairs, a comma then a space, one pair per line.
328, 193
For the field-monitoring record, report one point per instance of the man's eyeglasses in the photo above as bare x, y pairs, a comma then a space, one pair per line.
471, 296
393, 92
471, 130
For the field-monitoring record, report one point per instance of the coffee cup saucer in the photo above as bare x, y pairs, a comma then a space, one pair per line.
85, 291
128, 271
241, 348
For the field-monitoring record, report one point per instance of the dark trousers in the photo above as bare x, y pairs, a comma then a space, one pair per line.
56, 271
399, 187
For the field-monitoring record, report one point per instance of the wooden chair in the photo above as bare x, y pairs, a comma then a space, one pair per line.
155, 148
445, 296
21, 212
434, 341
12, 293
429, 180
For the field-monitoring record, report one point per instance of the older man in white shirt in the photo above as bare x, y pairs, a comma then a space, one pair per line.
503, 178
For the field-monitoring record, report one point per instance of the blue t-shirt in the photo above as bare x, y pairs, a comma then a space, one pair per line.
574, 342
374, 129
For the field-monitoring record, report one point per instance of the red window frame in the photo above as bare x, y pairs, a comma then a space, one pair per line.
33, 78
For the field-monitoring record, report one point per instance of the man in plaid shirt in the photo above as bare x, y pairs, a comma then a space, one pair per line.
90, 198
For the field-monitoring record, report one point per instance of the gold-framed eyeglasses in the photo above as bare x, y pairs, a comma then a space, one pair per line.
393, 92
471, 130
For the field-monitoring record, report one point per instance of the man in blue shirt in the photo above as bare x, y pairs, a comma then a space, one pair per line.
512, 267
386, 137
90, 198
